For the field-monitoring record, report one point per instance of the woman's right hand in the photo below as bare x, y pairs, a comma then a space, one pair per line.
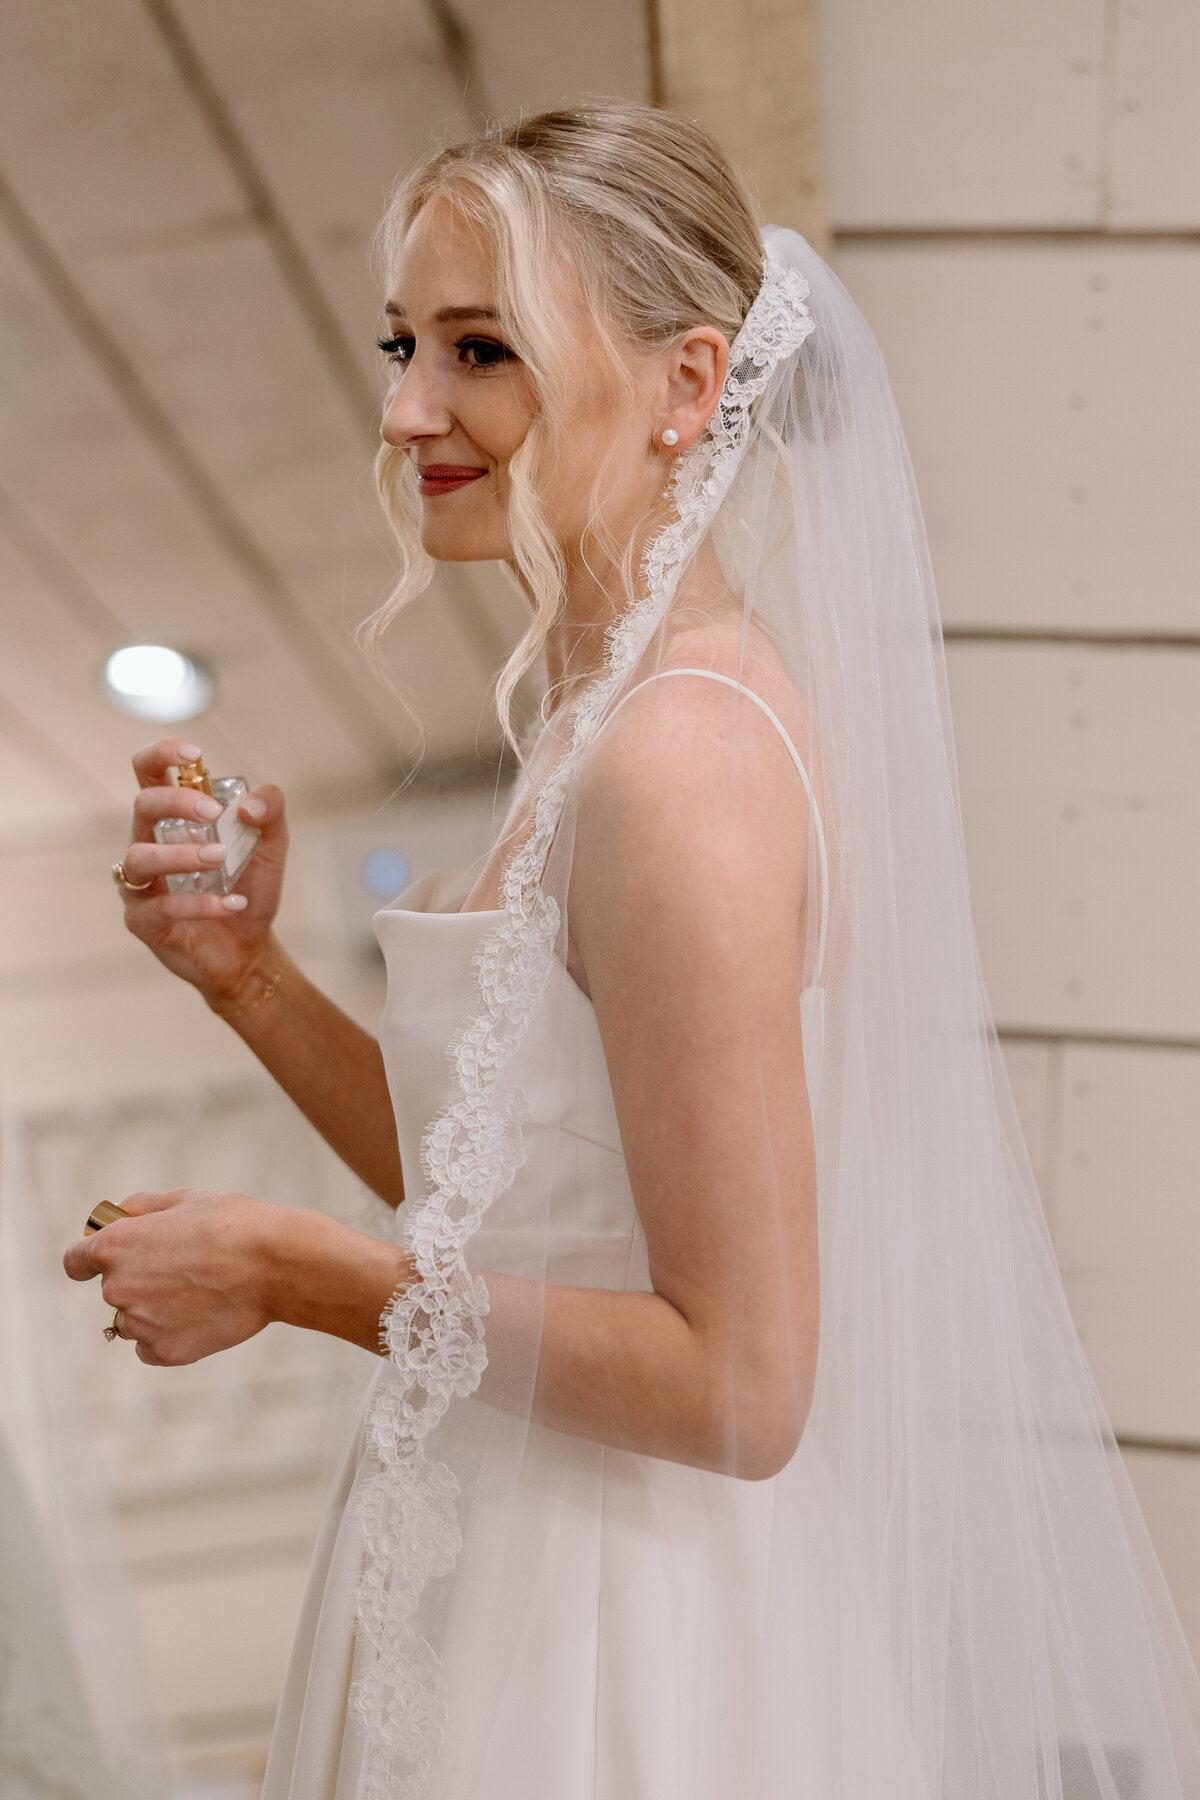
221, 943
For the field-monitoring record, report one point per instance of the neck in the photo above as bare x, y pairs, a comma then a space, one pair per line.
575, 643
594, 596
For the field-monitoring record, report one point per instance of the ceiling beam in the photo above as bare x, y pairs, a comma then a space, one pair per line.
309, 647
458, 49
92, 613
358, 392
750, 75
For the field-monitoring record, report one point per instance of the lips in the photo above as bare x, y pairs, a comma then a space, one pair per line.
445, 478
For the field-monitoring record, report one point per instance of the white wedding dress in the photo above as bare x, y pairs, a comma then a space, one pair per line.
608, 1631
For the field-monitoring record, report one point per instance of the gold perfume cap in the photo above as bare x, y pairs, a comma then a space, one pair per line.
195, 775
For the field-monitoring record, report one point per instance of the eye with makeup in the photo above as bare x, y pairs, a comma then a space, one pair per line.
484, 353
398, 350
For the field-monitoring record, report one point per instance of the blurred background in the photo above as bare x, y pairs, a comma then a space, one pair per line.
1011, 191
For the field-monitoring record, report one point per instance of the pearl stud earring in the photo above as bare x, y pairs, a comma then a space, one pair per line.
670, 437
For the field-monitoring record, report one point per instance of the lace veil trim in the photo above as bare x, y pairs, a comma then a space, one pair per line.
432, 1331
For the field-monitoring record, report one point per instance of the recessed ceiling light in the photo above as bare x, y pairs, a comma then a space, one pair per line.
151, 682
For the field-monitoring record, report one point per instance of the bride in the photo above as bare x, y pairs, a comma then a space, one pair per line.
730, 1435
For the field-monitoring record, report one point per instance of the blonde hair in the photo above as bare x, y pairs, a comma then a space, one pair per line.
661, 236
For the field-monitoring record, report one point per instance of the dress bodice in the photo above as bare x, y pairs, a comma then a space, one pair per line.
570, 1215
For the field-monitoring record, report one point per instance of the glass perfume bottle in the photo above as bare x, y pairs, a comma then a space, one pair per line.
238, 838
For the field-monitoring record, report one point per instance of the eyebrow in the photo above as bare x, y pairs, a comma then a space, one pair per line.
446, 314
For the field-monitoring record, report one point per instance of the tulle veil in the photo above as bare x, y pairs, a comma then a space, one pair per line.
956, 1597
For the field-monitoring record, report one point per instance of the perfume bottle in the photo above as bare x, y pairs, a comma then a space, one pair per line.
238, 838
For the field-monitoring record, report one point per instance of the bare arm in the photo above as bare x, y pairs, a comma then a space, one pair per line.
688, 926
322, 1060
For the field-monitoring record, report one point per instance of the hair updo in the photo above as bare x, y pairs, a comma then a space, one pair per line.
661, 236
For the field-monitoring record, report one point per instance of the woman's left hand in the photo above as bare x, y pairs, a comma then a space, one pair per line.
188, 1274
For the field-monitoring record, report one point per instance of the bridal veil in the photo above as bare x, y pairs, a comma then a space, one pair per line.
953, 1596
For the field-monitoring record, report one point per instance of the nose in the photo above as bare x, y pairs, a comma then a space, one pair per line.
413, 410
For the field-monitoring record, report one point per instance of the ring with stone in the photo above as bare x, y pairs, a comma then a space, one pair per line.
122, 880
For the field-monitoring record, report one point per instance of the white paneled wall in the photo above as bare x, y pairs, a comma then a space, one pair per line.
1155, 142
1050, 396
1080, 766
1015, 193
948, 115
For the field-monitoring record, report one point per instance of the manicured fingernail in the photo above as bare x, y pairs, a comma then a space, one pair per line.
254, 809
208, 808
188, 752
235, 902
212, 853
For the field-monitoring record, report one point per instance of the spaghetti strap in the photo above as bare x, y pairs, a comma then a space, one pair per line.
777, 722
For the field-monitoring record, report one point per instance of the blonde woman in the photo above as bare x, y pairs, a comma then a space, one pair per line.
730, 1434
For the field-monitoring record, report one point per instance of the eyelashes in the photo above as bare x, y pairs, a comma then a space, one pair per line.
485, 353
488, 353
397, 349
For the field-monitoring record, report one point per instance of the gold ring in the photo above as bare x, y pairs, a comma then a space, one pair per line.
114, 1330
122, 880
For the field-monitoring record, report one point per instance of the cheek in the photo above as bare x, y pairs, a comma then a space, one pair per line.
598, 458
500, 414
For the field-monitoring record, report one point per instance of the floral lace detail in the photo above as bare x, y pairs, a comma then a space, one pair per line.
432, 1331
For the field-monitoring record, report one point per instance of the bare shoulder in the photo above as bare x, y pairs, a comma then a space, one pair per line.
694, 721
692, 817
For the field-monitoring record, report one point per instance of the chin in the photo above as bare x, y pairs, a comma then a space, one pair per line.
464, 546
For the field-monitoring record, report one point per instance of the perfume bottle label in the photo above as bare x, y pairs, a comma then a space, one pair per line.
238, 838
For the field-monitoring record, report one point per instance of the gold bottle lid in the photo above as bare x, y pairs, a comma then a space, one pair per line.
195, 775
102, 1214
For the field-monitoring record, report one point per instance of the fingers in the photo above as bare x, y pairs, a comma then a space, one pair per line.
151, 763
154, 803
146, 861
264, 807
78, 1261
152, 916
140, 1203
95, 1255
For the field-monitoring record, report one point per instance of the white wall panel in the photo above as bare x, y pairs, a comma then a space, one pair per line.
1168, 1491
1127, 1229
1079, 772
1032, 1071
942, 114
1156, 116
1051, 397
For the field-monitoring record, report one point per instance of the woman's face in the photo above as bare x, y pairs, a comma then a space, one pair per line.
463, 402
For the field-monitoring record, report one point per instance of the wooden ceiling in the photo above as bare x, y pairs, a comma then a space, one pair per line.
188, 190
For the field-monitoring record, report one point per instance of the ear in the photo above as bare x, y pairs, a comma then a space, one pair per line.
696, 369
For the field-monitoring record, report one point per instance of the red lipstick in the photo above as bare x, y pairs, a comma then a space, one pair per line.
445, 478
